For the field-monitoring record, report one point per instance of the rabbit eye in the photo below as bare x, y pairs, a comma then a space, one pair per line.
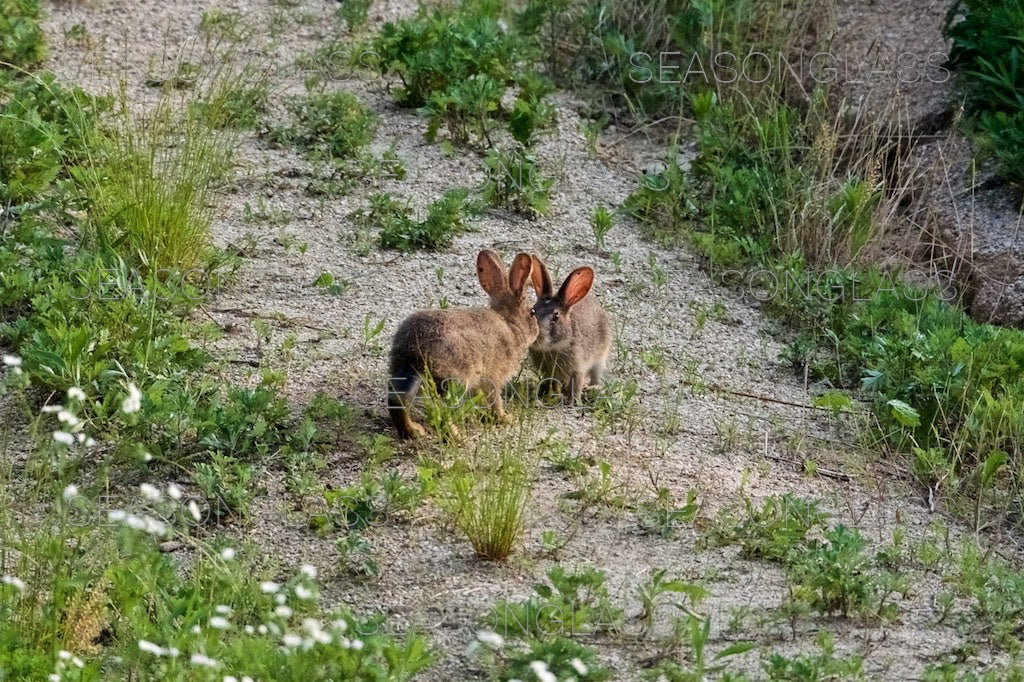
554, 315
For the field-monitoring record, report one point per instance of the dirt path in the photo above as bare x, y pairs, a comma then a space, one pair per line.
670, 337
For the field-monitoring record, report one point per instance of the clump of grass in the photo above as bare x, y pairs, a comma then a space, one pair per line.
600, 225
515, 181
150, 189
488, 495
332, 126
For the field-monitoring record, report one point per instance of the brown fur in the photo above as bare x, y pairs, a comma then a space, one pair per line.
481, 348
575, 335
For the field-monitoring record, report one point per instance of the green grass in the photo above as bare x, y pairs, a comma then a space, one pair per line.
488, 494
766, 194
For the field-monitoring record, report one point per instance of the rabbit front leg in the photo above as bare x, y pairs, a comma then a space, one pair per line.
492, 391
573, 388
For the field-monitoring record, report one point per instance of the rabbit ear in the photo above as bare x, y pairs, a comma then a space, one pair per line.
519, 273
576, 286
491, 272
541, 278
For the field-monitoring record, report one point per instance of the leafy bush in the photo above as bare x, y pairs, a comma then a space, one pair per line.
446, 218
772, 532
456, 64
987, 50
838, 575
330, 126
45, 130
22, 42
610, 49
574, 603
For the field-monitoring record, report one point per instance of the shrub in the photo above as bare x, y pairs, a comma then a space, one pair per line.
22, 42
446, 218
772, 532
45, 130
330, 126
987, 50
456, 64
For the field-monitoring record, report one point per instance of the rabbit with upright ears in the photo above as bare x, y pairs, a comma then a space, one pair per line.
575, 335
481, 348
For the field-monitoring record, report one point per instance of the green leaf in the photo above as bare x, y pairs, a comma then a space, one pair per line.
904, 413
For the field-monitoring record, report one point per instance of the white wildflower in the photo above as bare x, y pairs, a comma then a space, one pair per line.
303, 592
357, 644
16, 583
151, 648
64, 655
280, 598
222, 609
227, 553
540, 669
133, 403
50, 409
201, 659
75, 393
219, 622
63, 437
291, 639
150, 492
309, 571
12, 361
77, 662
269, 587
249, 629
70, 492
579, 666
492, 638
283, 611
173, 491
193, 509
68, 417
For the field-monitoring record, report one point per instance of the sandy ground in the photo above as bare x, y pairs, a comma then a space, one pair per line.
723, 445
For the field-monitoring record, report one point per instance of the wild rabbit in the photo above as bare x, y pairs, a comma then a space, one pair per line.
575, 334
482, 348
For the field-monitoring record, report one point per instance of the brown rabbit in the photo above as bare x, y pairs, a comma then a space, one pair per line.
482, 348
575, 335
